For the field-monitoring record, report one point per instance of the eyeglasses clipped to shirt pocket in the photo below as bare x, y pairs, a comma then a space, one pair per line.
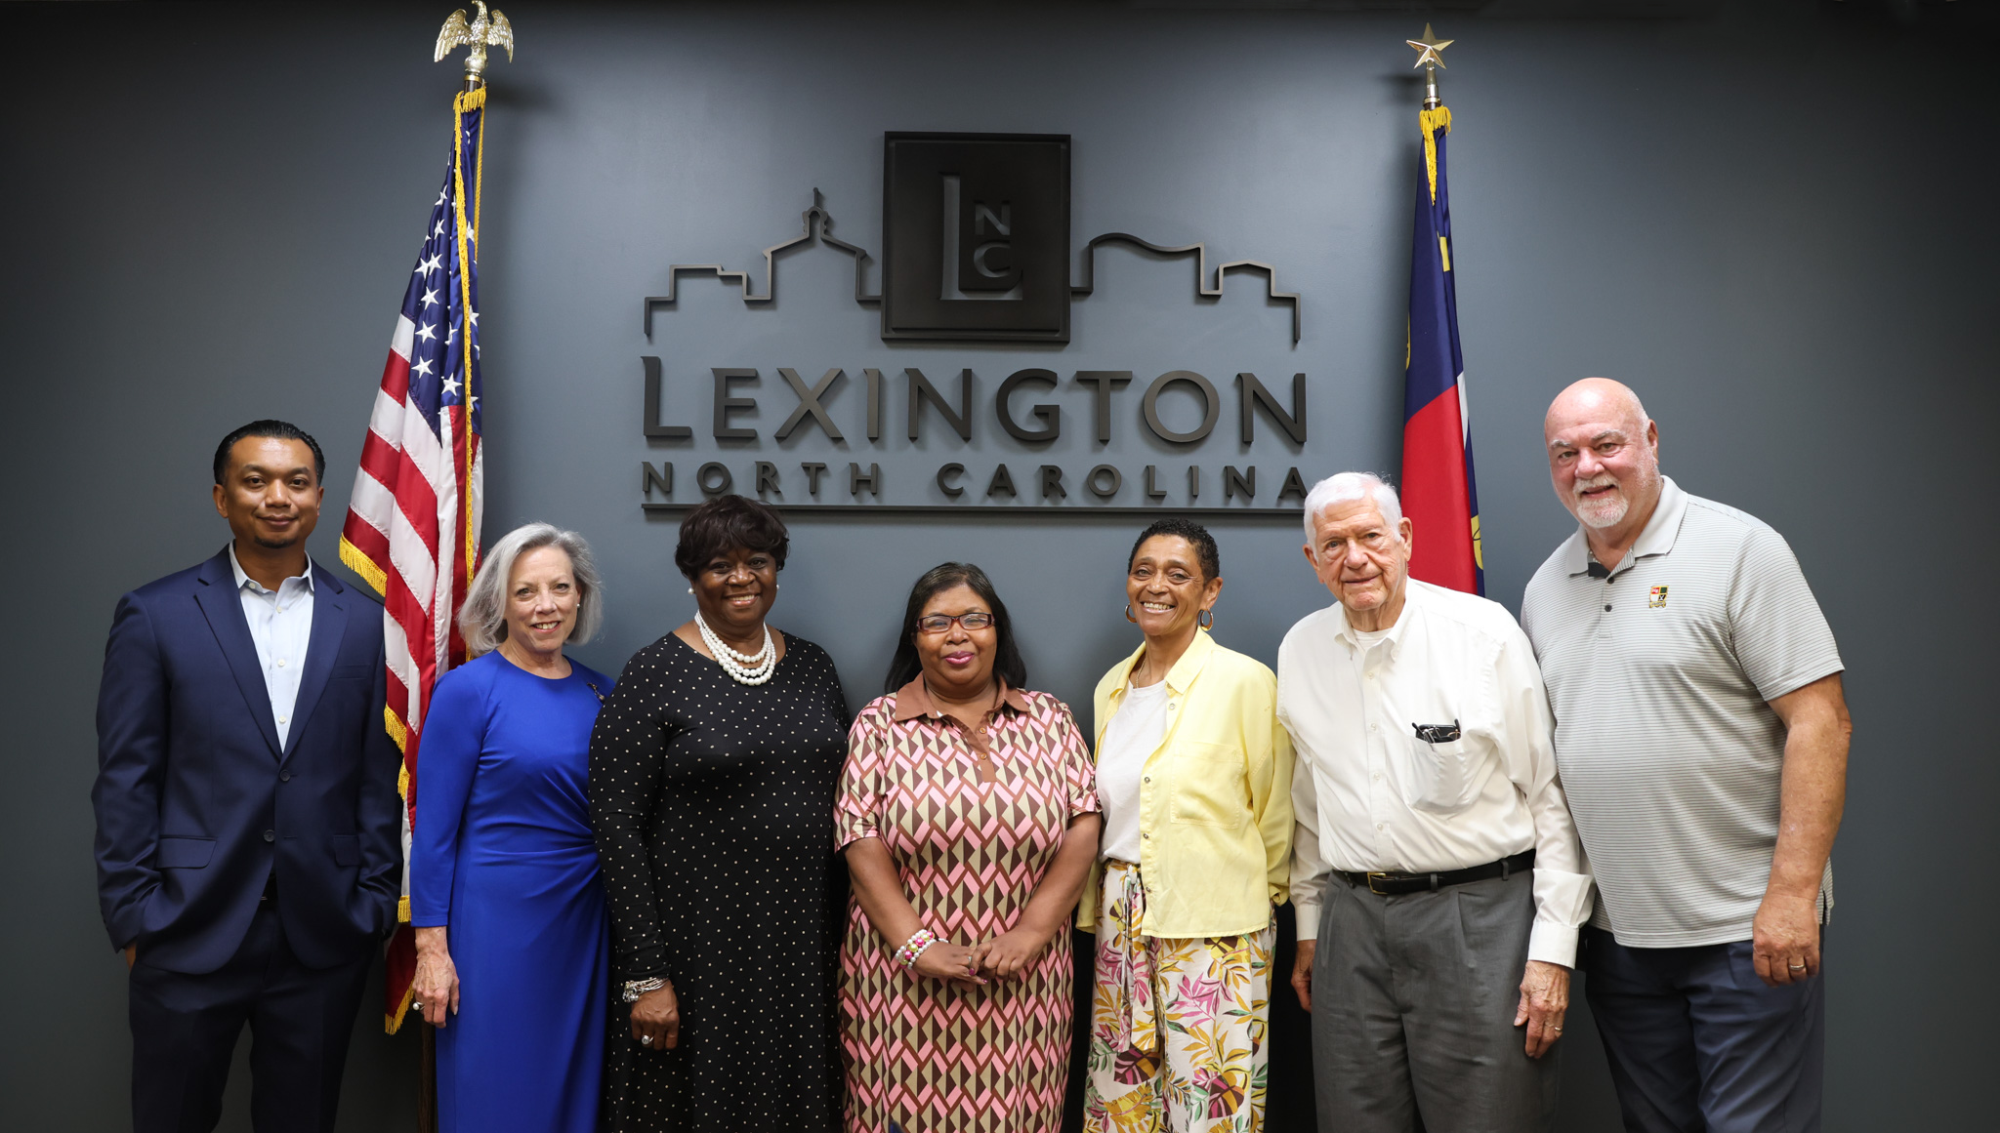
1208, 786
1439, 778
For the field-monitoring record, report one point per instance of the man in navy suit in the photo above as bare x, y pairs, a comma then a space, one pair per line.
248, 859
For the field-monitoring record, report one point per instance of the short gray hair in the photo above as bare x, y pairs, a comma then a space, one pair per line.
1345, 487
482, 621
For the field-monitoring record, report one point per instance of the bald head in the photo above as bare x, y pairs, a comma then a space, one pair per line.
1604, 456
1600, 399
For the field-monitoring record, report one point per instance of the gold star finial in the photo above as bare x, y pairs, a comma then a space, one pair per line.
1429, 48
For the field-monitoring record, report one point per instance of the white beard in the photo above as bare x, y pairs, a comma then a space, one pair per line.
1608, 511
1603, 511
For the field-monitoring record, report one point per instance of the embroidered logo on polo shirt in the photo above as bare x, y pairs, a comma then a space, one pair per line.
1657, 598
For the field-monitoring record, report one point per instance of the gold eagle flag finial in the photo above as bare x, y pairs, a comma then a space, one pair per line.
483, 32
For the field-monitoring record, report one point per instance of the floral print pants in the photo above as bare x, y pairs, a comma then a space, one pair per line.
1177, 1026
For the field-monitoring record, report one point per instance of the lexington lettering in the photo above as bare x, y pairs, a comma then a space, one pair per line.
1031, 407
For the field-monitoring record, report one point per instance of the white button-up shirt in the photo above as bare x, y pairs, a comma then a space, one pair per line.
1369, 794
281, 627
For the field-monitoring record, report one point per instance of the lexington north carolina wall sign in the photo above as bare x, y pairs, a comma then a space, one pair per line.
976, 248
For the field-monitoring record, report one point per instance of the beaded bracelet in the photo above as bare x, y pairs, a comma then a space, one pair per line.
914, 947
636, 988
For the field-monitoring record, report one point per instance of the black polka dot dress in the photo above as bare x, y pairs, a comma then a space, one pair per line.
713, 807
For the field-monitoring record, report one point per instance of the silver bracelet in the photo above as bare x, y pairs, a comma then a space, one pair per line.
636, 988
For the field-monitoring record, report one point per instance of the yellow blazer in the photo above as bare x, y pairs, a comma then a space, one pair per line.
1215, 803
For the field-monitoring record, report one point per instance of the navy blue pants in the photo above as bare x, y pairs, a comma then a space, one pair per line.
1699, 1044
185, 1027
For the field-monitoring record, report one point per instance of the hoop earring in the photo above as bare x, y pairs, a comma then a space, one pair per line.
1205, 619
1128, 614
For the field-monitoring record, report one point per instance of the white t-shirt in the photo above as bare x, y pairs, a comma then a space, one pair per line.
1134, 734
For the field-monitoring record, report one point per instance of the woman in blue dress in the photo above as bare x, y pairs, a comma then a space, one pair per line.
512, 945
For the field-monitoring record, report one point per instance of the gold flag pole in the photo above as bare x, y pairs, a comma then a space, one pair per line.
485, 30
1430, 57
1434, 116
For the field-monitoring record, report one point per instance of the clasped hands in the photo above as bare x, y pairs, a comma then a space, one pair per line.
1004, 957
656, 1016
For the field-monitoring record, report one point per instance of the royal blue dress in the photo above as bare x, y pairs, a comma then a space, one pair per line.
503, 854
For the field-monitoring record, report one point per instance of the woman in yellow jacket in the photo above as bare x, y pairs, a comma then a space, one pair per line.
1195, 776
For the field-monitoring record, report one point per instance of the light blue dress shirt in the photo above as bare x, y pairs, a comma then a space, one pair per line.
281, 627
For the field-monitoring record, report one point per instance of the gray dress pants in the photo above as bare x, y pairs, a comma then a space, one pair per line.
1413, 1012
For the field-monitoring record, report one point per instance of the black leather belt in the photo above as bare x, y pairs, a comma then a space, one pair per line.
1393, 884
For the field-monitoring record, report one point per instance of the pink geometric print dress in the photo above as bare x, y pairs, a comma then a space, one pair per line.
940, 1057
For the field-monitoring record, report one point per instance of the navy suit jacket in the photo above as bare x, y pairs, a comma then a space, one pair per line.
198, 804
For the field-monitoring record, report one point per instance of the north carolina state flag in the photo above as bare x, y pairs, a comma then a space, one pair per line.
1438, 493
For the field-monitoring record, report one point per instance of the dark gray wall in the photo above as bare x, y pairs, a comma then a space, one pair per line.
1774, 226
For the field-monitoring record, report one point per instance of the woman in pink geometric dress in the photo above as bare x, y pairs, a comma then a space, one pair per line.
968, 815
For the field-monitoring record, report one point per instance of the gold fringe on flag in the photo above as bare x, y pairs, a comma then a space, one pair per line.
364, 566
1431, 121
464, 102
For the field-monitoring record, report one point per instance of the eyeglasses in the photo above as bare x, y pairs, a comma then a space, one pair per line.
939, 623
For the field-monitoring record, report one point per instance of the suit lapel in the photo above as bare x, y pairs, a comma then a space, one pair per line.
329, 626
223, 607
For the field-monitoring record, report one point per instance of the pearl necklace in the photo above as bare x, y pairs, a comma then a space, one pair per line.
743, 668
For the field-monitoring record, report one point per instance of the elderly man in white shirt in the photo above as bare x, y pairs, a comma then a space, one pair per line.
1435, 866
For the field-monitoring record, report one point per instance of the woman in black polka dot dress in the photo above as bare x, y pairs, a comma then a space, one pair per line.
713, 768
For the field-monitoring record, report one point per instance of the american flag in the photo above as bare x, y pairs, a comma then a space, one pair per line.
412, 526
